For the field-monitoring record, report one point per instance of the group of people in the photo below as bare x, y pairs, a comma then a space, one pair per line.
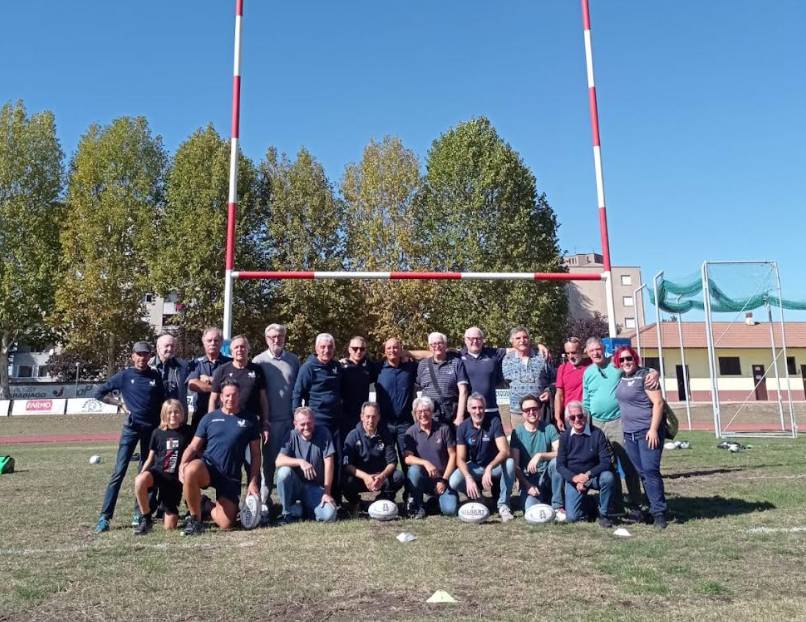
433, 430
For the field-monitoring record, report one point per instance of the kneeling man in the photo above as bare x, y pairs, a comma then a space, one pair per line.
370, 460
583, 460
215, 458
305, 467
430, 454
482, 456
534, 450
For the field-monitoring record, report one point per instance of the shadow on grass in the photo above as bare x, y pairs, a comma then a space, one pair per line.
701, 472
685, 509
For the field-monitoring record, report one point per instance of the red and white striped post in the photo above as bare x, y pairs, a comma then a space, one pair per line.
436, 276
232, 198
597, 165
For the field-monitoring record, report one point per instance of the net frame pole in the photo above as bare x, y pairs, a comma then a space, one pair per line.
792, 422
709, 336
598, 169
683, 366
659, 333
778, 399
640, 288
232, 197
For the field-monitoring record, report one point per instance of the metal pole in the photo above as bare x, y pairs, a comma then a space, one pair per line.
783, 345
683, 363
709, 336
597, 165
660, 335
78, 367
775, 366
232, 199
637, 318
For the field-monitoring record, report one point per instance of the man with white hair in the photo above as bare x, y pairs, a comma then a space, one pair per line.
200, 380
173, 371
444, 380
319, 387
280, 368
483, 368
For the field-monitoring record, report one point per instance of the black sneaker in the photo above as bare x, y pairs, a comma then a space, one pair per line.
605, 522
419, 513
193, 527
144, 526
660, 521
136, 518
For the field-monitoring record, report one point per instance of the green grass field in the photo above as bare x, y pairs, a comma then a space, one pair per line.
712, 563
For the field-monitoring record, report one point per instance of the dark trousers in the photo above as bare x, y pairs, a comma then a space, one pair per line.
647, 463
352, 486
129, 438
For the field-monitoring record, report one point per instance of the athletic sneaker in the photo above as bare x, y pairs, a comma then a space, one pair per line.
144, 526
419, 513
102, 524
193, 527
505, 513
136, 518
560, 516
605, 522
660, 521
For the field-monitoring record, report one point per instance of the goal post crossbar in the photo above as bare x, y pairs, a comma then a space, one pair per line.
422, 276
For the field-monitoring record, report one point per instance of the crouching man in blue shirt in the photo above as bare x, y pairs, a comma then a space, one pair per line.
305, 468
583, 460
370, 460
482, 456
215, 458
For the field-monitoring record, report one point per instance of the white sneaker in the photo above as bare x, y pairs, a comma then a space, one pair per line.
559, 515
505, 513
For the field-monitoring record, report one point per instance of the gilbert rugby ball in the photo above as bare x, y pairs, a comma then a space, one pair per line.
539, 513
473, 512
96, 459
383, 510
250, 512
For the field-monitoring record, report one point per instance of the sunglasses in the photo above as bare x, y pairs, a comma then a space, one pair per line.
532, 409
579, 417
357, 348
625, 358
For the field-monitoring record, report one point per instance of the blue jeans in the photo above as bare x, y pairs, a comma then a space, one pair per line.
605, 483
292, 488
647, 462
504, 473
419, 484
279, 430
549, 478
129, 438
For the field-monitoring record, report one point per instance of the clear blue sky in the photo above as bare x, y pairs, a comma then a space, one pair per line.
701, 103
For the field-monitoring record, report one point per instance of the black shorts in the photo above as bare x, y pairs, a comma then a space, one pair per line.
170, 490
224, 486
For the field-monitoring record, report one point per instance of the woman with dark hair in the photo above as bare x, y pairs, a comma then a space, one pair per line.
642, 418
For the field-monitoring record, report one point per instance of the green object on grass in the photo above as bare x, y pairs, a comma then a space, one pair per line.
6, 465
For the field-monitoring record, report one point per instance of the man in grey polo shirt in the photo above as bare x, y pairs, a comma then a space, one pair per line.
444, 380
280, 369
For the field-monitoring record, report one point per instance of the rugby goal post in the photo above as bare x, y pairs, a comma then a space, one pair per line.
231, 274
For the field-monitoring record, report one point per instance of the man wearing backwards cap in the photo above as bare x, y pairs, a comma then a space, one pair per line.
142, 392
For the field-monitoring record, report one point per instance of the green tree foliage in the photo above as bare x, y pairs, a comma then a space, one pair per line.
586, 327
189, 258
114, 199
379, 192
31, 178
306, 232
480, 211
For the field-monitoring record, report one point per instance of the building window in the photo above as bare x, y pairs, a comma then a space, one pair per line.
629, 322
653, 362
628, 301
25, 371
626, 279
149, 298
729, 366
42, 371
791, 367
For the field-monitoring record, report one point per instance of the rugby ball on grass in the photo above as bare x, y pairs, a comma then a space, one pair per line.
382, 510
473, 512
539, 514
250, 512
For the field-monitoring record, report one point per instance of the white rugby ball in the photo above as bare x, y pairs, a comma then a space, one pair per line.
250, 512
539, 513
473, 512
96, 459
383, 509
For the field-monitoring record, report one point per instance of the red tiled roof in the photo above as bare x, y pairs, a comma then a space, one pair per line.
726, 335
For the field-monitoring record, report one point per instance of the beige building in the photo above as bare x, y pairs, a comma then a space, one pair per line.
587, 297
744, 359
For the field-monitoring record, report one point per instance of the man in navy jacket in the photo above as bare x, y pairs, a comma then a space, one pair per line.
583, 460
